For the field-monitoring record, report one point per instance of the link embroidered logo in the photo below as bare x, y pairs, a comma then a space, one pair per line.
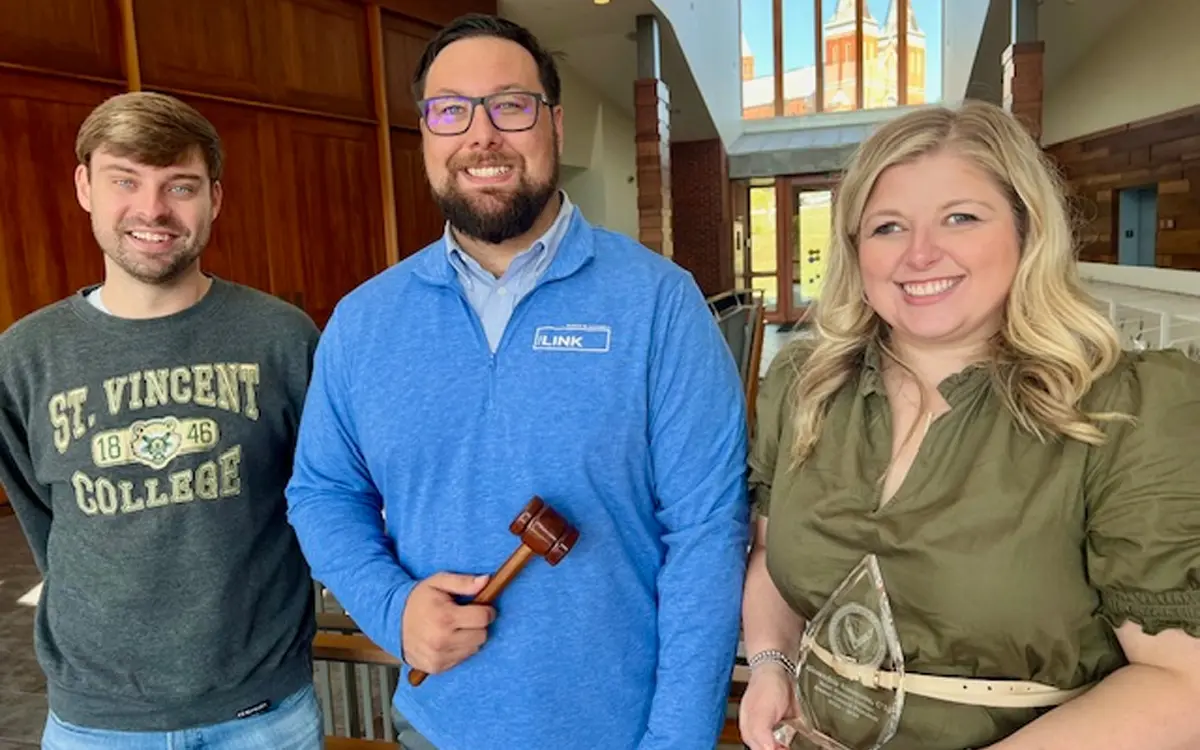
594, 339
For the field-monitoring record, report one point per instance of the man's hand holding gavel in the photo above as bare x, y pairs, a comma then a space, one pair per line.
438, 632
445, 632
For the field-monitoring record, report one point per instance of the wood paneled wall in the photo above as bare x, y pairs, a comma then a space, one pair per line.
1162, 151
325, 185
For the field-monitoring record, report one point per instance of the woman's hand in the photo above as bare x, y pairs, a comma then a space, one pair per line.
769, 625
768, 700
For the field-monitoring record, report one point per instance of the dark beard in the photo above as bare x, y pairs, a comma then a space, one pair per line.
514, 218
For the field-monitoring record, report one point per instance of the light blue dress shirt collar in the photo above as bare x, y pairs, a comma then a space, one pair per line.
494, 299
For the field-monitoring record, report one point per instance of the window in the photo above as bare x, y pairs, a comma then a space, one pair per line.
763, 273
758, 59
806, 56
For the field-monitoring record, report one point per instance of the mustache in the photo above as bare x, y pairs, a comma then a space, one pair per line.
482, 161
167, 224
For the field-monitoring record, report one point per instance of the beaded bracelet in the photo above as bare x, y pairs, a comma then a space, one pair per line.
772, 656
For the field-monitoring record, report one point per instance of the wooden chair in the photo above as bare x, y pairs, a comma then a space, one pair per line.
754, 364
355, 681
741, 316
355, 743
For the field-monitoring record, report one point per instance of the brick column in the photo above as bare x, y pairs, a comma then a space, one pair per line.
653, 134
652, 127
701, 213
1023, 87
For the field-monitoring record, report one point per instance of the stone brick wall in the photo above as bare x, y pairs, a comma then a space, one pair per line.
702, 226
652, 124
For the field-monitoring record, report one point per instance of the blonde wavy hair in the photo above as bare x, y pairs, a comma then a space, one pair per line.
1053, 345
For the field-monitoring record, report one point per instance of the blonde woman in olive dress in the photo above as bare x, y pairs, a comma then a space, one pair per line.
1029, 494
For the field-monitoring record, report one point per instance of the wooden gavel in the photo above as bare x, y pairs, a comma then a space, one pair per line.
544, 533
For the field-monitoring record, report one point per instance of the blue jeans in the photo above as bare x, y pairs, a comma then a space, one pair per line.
294, 725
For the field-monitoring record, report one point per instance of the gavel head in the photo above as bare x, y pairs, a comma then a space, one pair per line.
544, 531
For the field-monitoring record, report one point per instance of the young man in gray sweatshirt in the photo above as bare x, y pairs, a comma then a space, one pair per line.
147, 426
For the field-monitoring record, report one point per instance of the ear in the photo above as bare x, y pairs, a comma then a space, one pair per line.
83, 187
218, 196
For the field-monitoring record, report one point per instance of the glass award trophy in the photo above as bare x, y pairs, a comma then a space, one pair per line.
848, 674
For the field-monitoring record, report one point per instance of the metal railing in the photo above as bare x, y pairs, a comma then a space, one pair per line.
1152, 308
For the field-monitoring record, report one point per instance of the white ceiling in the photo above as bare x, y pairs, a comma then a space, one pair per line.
1072, 27
598, 43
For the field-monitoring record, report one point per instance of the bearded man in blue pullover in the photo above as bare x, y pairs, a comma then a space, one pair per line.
528, 353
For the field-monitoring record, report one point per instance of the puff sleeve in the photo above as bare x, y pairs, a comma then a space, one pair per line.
1143, 496
772, 423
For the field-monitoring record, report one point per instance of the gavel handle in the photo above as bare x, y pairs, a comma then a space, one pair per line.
502, 577
497, 584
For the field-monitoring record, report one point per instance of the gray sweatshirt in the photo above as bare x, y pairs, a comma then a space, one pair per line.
146, 461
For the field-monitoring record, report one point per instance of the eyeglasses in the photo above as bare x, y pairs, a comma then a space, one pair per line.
509, 111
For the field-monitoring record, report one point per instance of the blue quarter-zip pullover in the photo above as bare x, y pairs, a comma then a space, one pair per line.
612, 396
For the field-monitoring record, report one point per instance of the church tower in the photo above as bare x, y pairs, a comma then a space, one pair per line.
841, 56
747, 60
916, 55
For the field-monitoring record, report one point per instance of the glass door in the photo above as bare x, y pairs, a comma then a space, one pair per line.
808, 246
760, 268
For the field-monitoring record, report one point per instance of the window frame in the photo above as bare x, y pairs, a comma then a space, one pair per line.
819, 55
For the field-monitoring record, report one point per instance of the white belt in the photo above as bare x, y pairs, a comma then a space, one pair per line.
974, 692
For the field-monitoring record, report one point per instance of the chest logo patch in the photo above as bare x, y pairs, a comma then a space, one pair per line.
593, 339
154, 442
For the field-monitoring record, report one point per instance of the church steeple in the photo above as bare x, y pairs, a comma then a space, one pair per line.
841, 23
890, 25
747, 60
844, 12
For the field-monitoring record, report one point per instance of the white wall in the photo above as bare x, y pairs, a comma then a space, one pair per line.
1147, 64
962, 29
586, 189
617, 158
708, 34
581, 117
599, 156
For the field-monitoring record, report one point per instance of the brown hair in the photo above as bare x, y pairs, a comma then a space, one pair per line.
152, 129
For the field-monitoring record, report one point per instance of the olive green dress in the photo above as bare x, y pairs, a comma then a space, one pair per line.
1003, 557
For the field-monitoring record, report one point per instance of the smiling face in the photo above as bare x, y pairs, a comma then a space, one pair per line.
938, 250
152, 222
491, 184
